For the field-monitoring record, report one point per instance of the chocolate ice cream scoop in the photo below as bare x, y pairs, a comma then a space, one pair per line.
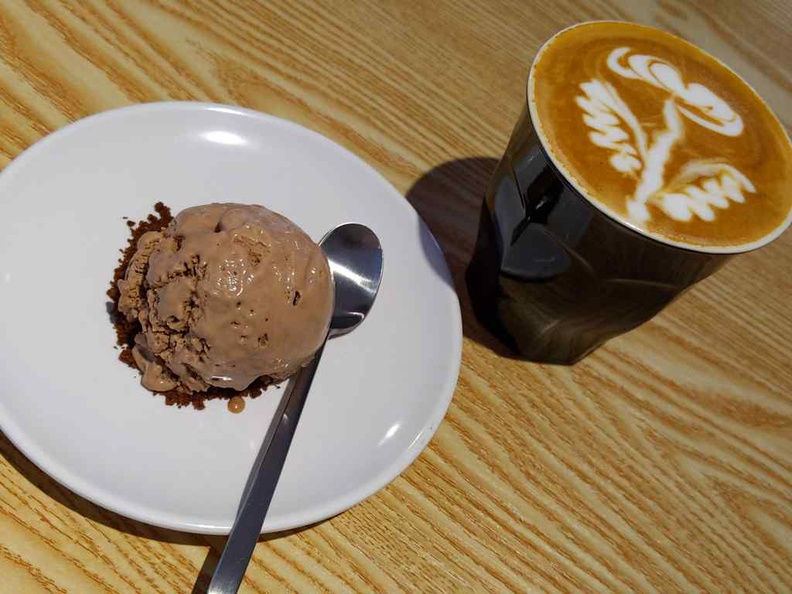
225, 294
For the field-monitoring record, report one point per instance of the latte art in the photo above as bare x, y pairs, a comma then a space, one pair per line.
616, 128
661, 135
696, 101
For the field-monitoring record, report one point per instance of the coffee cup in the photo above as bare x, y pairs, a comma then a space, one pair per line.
639, 166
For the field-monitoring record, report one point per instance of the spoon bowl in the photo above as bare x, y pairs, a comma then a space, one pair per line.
355, 257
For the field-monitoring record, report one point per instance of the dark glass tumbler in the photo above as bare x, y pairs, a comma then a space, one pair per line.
553, 276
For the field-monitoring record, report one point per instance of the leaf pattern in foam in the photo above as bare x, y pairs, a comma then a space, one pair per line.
702, 186
613, 125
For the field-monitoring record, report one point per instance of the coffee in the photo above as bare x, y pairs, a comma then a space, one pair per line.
662, 137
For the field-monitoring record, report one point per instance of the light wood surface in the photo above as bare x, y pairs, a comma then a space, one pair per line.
663, 462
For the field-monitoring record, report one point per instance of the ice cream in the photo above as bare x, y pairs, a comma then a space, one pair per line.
225, 294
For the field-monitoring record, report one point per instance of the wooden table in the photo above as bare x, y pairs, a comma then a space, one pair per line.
663, 462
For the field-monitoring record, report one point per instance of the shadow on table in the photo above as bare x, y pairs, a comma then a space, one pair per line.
82, 506
448, 198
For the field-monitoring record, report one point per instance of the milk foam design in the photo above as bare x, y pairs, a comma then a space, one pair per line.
700, 186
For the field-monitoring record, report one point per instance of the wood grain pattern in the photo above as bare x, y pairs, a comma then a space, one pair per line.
661, 463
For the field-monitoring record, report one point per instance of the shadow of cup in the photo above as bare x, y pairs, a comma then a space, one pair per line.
448, 199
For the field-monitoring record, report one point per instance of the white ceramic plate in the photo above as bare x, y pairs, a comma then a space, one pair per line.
82, 416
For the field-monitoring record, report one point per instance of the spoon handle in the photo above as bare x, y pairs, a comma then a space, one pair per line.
261, 484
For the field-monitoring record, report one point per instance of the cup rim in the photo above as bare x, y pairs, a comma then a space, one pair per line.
609, 212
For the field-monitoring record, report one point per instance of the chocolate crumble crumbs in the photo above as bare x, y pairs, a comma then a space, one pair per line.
126, 330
